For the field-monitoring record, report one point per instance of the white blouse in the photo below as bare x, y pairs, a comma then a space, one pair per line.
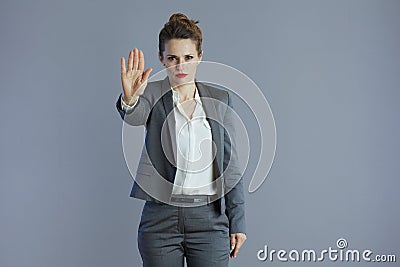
194, 174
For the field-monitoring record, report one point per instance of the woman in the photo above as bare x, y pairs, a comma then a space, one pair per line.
189, 212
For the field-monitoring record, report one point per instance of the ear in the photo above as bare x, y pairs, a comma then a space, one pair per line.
201, 56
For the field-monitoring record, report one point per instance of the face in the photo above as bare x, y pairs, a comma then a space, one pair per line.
180, 57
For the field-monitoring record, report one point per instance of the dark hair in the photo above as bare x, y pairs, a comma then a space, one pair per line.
180, 27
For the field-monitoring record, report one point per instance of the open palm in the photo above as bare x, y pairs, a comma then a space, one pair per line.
134, 79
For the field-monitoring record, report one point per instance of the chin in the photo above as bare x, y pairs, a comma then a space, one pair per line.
181, 81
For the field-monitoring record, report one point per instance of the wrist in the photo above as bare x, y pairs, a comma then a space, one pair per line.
130, 100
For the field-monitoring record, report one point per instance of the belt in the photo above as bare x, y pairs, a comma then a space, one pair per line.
193, 198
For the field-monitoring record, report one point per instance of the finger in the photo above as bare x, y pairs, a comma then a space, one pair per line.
123, 67
235, 250
146, 74
135, 58
130, 60
141, 60
233, 241
239, 244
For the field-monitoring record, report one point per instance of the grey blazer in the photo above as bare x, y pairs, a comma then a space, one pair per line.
157, 165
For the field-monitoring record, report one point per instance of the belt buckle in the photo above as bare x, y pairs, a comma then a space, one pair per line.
189, 200
197, 200
182, 200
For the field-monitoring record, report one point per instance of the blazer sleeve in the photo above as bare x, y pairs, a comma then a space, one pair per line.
138, 114
233, 181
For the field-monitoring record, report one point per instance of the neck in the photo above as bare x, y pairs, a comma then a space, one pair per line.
186, 91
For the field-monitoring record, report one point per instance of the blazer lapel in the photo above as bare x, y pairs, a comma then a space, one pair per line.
170, 124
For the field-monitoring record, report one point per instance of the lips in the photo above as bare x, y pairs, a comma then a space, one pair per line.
181, 75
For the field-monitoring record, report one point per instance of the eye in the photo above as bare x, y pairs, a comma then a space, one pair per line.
171, 58
189, 57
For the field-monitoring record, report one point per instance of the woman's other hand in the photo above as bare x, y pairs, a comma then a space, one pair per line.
134, 79
237, 241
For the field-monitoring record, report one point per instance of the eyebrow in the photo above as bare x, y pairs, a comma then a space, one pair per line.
175, 55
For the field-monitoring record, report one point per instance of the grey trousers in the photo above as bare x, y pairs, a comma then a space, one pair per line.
168, 234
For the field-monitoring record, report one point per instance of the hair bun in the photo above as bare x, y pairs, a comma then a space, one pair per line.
181, 17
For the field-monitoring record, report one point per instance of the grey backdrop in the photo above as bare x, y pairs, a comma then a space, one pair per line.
329, 69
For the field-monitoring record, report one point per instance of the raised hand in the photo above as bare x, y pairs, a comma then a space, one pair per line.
134, 79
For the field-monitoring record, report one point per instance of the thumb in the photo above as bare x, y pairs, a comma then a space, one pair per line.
146, 74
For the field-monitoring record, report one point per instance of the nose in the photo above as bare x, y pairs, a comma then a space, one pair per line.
179, 66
